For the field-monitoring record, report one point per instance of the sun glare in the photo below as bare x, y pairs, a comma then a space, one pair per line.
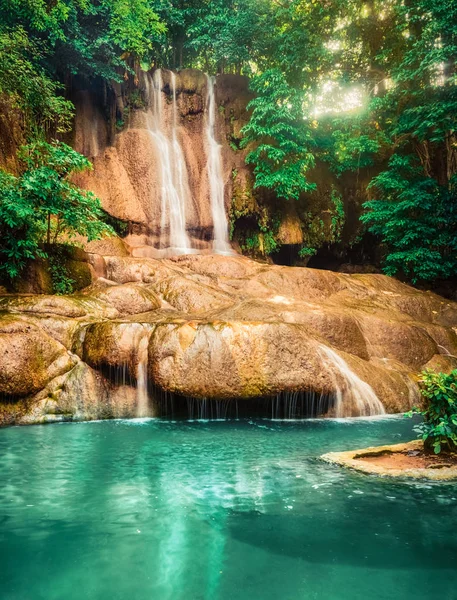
334, 98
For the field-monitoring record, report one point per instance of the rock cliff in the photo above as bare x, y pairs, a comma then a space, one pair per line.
128, 169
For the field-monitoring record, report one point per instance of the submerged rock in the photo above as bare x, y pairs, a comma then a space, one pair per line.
221, 327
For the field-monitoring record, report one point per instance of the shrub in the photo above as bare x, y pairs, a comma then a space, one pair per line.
43, 203
438, 430
416, 218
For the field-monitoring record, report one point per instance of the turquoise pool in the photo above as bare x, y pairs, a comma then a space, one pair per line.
242, 510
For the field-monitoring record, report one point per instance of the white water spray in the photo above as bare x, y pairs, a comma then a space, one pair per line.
221, 243
172, 167
352, 394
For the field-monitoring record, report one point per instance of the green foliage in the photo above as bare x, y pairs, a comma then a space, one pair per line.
439, 427
62, 283
117, 225
135, 100
416, 218
224, 34
305, 252
20, 232
259, 241
258, 236
338, 216
269, 245
414, 211
27, 84
134, 26
92, 37
252, 242
42, 204
44, 43
283, 154
346, 148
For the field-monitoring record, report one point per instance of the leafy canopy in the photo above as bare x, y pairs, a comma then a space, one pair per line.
28, 85
414, 206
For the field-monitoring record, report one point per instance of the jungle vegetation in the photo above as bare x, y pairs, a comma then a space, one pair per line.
353, 83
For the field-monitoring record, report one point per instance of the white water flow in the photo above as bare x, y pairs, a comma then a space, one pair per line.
142, 394
172, 167
221, 244
354, 397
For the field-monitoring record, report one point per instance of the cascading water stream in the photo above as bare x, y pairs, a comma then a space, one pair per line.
221, 243
354, 397
172, 167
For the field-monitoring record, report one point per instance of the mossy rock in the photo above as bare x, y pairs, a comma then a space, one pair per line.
192, 81
80, 273
34, 279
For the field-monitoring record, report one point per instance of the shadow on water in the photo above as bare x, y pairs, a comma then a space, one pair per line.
347, 539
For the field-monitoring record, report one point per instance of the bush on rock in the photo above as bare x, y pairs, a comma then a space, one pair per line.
438, 430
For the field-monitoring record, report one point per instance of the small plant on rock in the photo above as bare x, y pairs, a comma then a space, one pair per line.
62, 283
438, 429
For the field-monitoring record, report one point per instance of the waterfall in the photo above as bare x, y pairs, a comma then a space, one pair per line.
221, 243
354, 397
171, 165
142, 394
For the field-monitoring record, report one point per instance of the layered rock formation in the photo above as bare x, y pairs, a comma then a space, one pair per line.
222, 328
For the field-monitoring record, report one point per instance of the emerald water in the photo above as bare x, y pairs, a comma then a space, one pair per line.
155, 510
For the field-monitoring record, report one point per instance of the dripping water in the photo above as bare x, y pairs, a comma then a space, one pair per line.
283, 406
175, 194
301, 404
206, 409
354, 397
221, 243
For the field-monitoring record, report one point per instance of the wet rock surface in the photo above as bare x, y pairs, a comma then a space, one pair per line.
221, 327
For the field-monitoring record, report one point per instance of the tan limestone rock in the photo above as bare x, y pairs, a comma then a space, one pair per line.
129, 299
29, 357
